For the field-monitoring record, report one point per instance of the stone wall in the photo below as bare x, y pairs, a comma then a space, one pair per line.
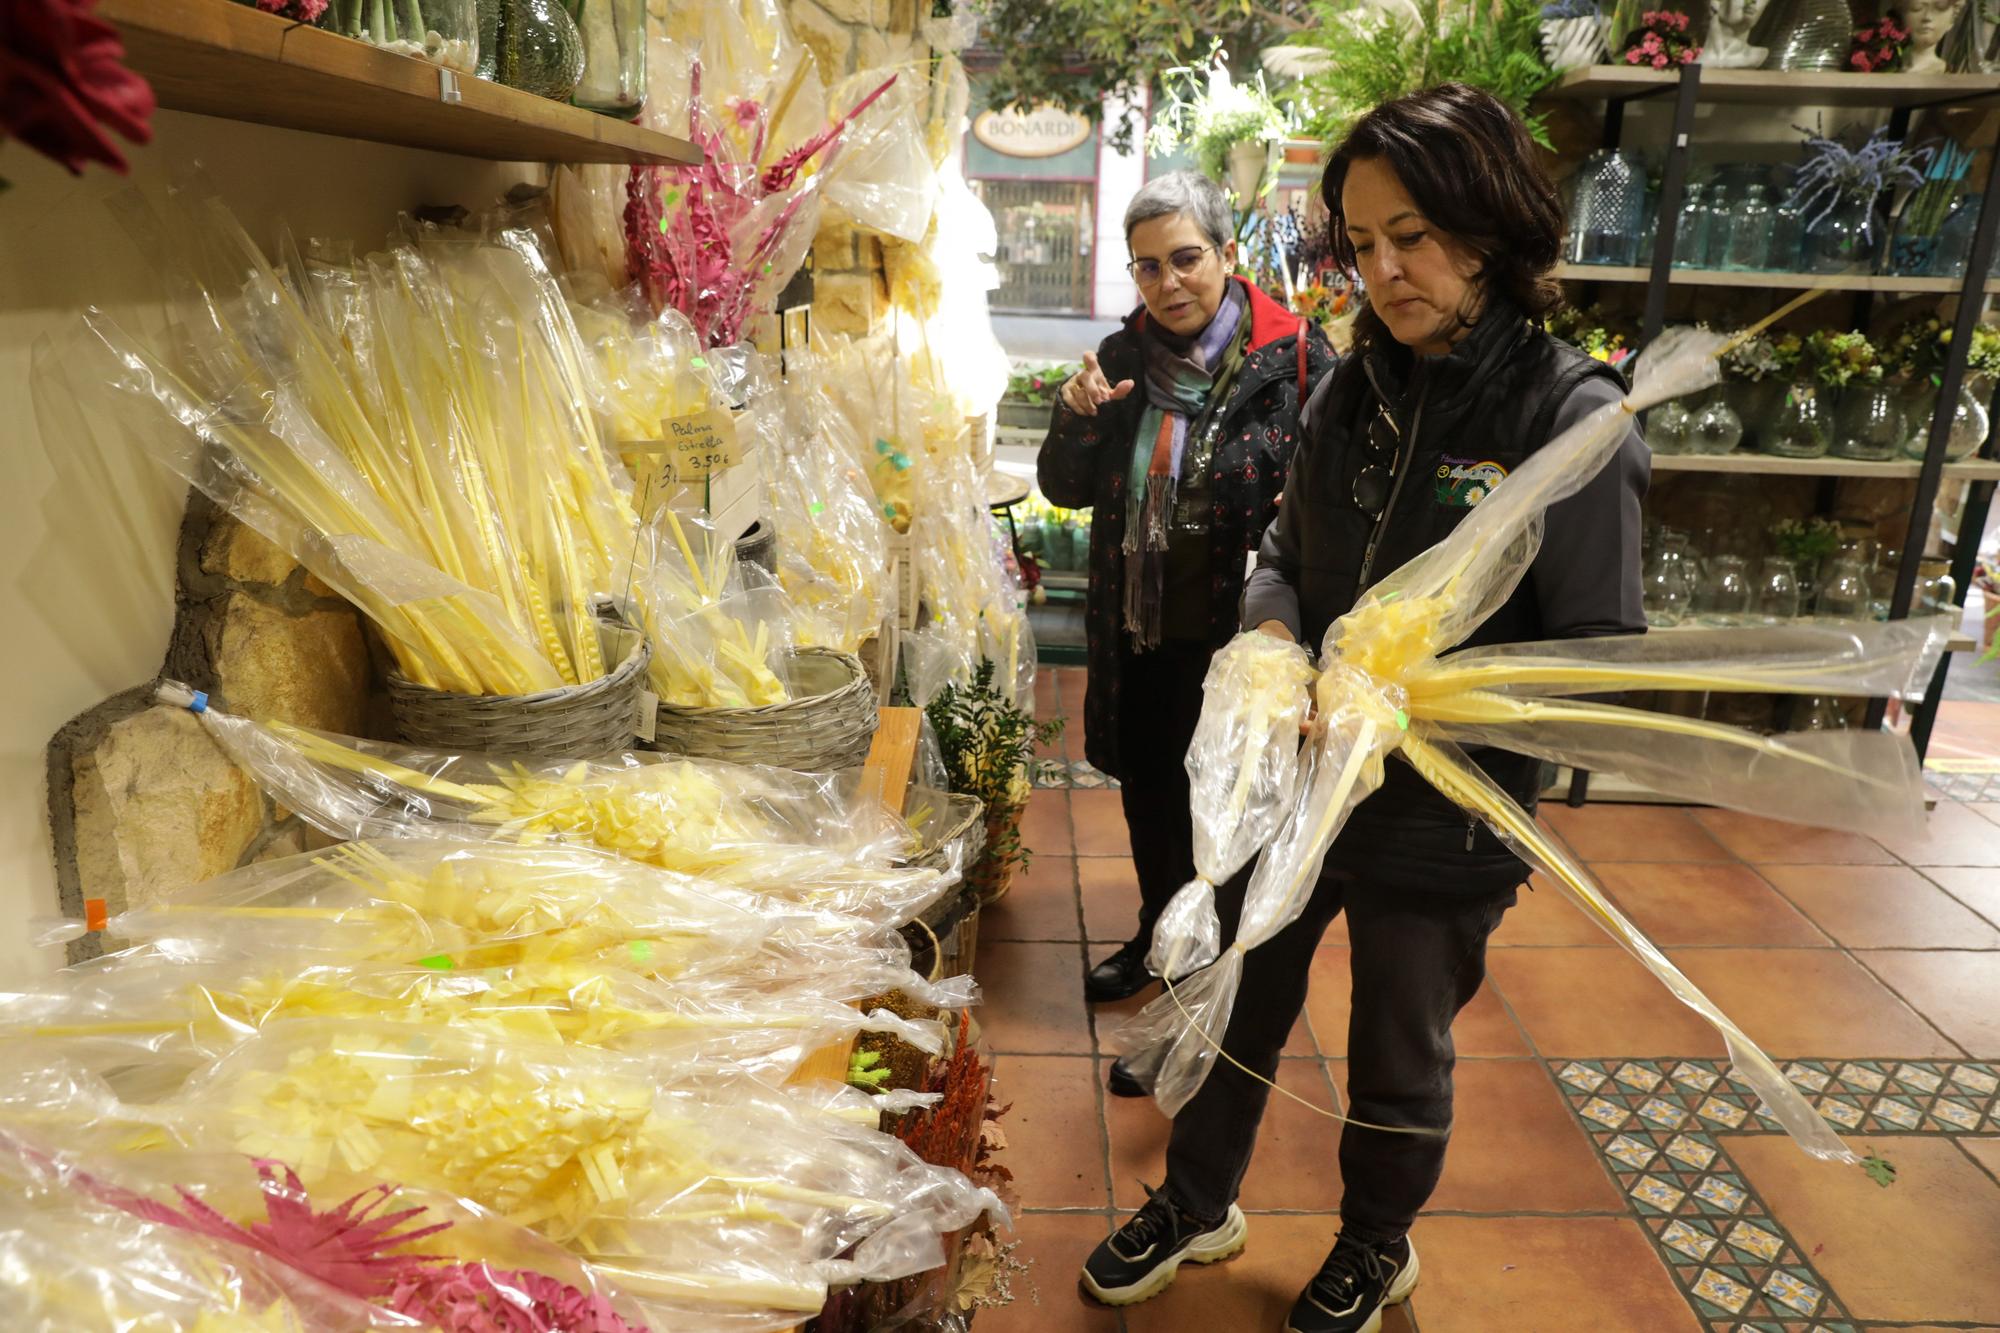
142, 802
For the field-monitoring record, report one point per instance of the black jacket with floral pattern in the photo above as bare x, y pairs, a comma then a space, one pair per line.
1085, 463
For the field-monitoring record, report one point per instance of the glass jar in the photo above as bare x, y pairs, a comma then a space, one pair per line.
614, 55
1607, 214
1937, 590
1969, 421
1716, 428
1669, 583
1882, 576
1755, 402
1824, 712
1953, 247
1844, 590
1777, 596
1810, 36
1869, 424
1723, 597
1799, 428
444, 32
1788, 236
1691, 233
1749, 246
1668, 425
1841, 238
538, 49
1715, 247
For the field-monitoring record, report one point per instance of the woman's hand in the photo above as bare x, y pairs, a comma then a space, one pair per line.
1084, 392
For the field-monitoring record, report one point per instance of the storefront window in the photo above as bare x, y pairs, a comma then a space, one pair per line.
1038, 173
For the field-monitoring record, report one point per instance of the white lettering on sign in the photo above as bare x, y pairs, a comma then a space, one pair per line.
1046, 131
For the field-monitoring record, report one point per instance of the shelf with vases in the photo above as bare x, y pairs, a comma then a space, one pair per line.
1789, 282
1765, 87
218, 58
1972, 469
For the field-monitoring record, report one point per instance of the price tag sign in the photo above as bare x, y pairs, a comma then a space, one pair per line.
689, 449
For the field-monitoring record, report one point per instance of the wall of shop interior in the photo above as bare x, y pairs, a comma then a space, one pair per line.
87, 596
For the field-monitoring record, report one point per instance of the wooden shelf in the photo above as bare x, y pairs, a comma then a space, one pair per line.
1788, 282
218, 58
1763, 87
1977, 469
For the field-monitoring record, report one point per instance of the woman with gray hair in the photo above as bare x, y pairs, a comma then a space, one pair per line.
1177, 433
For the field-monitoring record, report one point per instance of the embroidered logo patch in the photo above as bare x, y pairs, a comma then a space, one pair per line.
1464, 482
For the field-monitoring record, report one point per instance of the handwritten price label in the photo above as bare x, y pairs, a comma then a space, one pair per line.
689, 450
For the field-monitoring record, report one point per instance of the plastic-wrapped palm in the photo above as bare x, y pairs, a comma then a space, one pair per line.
1384, 688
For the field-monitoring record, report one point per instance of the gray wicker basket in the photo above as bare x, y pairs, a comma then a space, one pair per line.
575, 721
952, 818
828, 724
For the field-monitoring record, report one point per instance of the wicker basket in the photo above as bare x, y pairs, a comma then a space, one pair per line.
575, 721
953, 818
828, 726
986, 873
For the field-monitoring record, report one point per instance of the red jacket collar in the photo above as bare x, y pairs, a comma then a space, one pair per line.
1269, 321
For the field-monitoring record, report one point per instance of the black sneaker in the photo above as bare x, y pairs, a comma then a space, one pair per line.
1139, 1260
1121, 976
1356, 1283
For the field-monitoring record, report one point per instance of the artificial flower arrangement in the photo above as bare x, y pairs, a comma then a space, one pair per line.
1586, 331
1880, 48
1983, 356
1753, 359
1662, 41
1916, 350
1840, 359
1208, 114
1321, 304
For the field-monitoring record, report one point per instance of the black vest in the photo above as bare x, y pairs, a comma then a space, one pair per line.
1467, 419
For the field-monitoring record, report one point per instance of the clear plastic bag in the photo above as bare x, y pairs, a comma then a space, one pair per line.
880, 174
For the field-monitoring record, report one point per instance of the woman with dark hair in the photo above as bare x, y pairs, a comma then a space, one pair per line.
1441, 209
1177, 434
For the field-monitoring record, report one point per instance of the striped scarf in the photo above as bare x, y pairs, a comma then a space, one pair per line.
1181, 377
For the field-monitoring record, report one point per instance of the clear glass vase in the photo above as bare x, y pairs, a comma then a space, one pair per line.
1724, 595
1841, 238
1807, 36
1844, 592
1777, 596
444, 32
1799, 428
538, 49
1969, 421
1868, 424
1756, 403
1608, 212
1749, 247
1668, 581
1667, 426
1716, 427
614, 55
1691, 231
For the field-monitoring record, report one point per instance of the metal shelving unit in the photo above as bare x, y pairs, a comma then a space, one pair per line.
1900, 95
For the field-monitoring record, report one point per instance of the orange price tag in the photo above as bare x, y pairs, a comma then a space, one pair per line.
95, 914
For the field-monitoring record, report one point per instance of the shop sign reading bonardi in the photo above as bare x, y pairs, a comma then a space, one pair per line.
1046, 131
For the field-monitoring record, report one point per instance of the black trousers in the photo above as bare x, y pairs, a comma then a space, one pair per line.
1417, 959
1159, 703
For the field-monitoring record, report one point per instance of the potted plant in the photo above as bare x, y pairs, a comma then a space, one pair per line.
1806, 543
1753, 379
986, 742
1838, 190
1572, 34
1662, 41
1231, 129
1868, 420
1883, 47
1969, 418
1031, 391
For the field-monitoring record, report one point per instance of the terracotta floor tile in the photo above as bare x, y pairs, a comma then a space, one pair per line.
1595, 1002
1033, 998
1250, 1293
1809, 1002
1045, 825
1954, 835
1542, 916
1052, 750
1882, 907
1700, 905
1110, 897
1293, 1167
1055, 1136
1960, 992
1100, 824
1046, 1297
1040, 906
1484, 1027
1606, 832
1543, 1275
1770, 842
1516, 1148
1108, 1018
1975, 886
1921, 1249
1138, 1148
1986, 1152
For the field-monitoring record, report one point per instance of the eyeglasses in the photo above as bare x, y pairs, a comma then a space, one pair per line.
1372, 484
1186, 263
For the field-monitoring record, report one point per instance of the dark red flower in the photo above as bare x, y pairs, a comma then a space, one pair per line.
63, 83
